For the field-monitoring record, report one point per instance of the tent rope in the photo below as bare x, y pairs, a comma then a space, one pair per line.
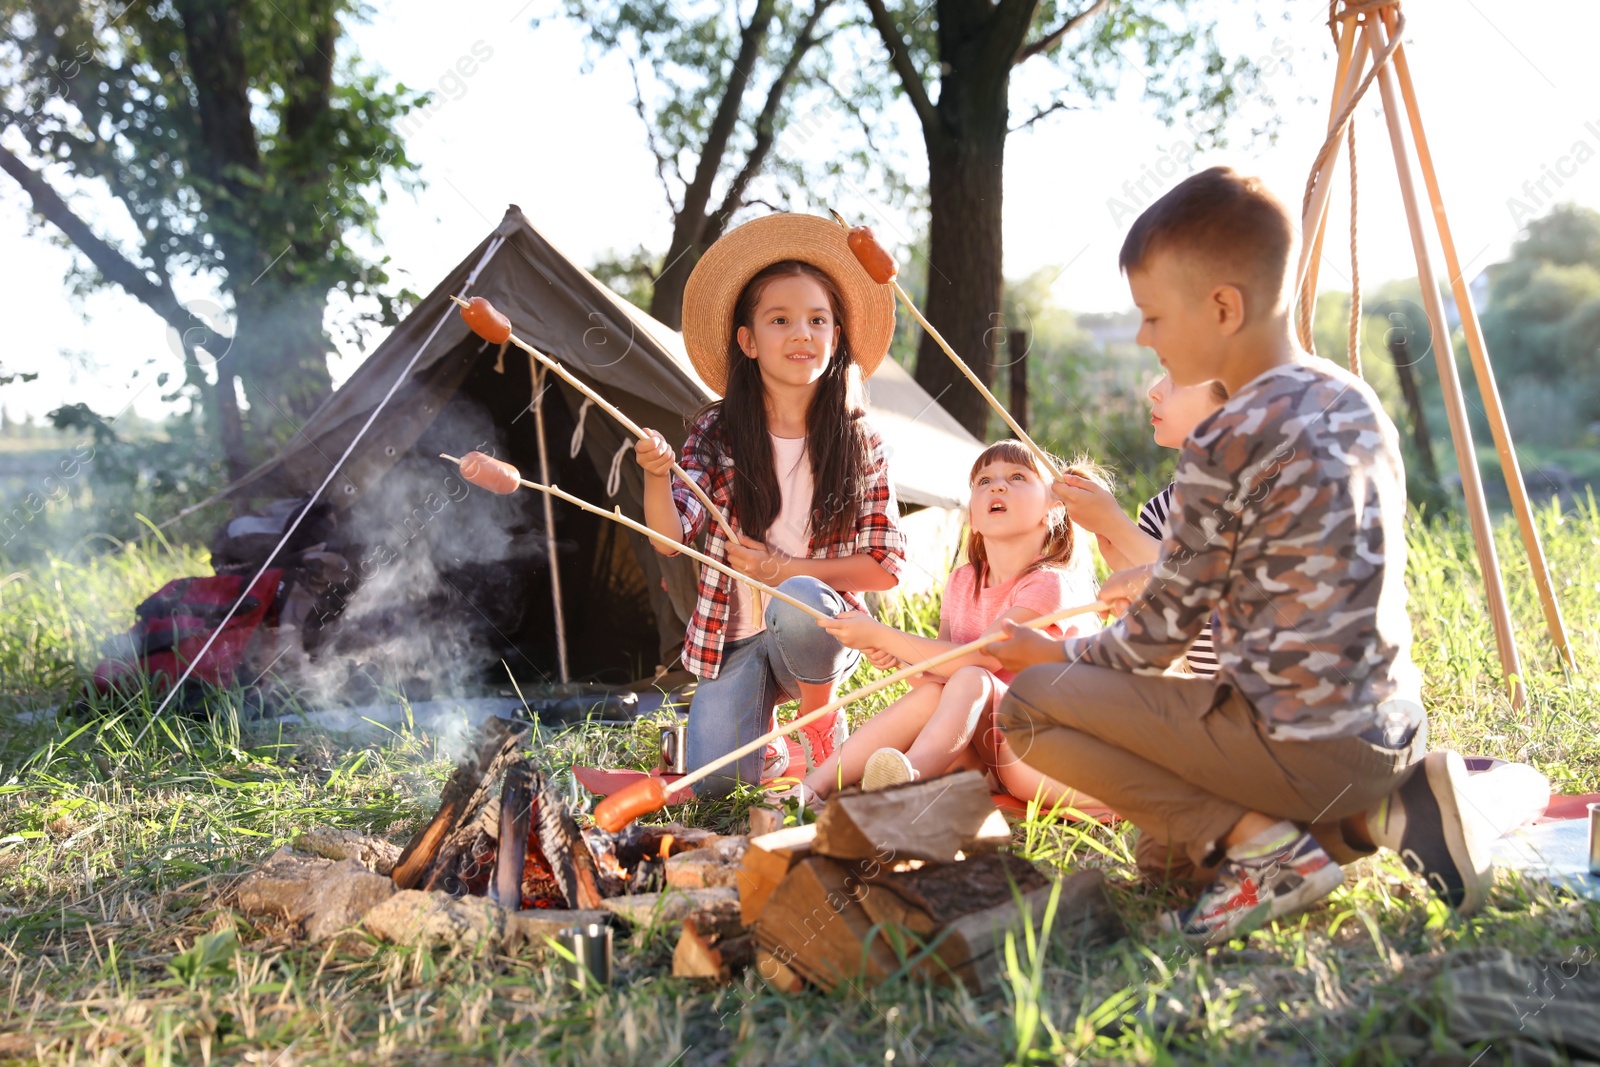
614, 475
499, 357
394, 387
1336, 133
577, 432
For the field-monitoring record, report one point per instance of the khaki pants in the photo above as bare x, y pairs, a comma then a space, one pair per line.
1184, 758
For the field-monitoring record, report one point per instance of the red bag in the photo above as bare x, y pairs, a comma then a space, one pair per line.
174, 624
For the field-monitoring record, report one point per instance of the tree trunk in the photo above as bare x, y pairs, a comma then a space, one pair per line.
282, 355
1404, 358
965, 276
666, 294
227, 424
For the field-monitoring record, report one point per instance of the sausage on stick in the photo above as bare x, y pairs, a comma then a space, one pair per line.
500, 477
880, 267
650, 794
489, 324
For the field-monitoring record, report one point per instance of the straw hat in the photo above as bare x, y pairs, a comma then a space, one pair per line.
714, 286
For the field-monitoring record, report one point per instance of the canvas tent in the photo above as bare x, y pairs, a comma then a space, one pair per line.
626, 606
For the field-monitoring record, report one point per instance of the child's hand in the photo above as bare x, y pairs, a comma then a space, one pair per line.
1089, 504
750, 557
1017, 647
855, 629
654, 454
1121, 589
884, 661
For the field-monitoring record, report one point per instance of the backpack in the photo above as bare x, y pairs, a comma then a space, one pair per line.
173, 625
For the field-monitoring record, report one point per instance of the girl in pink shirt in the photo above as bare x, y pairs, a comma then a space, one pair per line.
1024, 561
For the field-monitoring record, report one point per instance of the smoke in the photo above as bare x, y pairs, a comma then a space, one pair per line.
431, 597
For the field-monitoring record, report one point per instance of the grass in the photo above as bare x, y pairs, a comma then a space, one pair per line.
114, 949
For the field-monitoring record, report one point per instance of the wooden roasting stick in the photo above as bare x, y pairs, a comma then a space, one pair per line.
650, 794
489, 324
881, 268
500, 477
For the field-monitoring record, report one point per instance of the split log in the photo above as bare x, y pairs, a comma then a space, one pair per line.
767, 859
563, 848
714, 944
706, 868
431, 855
776, 973
764, 820
816, 924
516, 819
937, 820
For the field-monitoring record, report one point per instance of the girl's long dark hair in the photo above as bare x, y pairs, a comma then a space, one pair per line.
836, 440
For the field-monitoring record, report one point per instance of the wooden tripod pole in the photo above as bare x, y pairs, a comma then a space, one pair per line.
1482, 369
1313, 224
1450, 381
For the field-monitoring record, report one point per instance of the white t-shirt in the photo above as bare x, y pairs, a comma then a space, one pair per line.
789, 532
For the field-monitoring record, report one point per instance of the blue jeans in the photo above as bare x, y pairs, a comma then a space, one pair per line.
758, 673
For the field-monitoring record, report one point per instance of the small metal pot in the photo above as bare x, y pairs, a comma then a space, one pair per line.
590, 945
674, 750
1594, 840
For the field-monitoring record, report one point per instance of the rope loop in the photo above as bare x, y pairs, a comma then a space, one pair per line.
577, 433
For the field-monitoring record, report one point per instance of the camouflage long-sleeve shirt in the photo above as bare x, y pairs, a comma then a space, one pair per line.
1288, 527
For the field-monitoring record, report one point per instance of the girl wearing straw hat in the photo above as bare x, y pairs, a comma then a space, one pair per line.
782, 322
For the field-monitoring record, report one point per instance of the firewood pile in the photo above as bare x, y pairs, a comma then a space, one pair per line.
916, 879
911, 880
502, 860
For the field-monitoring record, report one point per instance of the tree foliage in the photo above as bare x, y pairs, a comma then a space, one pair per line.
245, 155
1542, 325
730, 96
954, 61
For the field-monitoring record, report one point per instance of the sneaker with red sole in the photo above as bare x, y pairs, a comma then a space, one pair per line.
1250, 893
823, 737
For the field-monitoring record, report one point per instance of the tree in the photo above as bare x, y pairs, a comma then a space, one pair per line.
715, 92
244, 155
967, 52
1542, 326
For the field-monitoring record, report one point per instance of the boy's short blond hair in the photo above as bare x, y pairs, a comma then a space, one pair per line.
1225, 229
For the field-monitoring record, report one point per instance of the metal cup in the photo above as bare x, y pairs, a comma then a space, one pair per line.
1594, 840
674, 750
590, 945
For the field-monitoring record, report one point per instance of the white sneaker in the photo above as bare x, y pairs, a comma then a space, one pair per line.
776, 760
887, 767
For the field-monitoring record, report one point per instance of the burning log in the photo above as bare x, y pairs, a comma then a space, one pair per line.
432, 854
516, 819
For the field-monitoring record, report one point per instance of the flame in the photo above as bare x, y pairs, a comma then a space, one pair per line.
666, 845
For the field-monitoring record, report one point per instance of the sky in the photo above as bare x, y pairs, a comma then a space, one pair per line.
1507, 94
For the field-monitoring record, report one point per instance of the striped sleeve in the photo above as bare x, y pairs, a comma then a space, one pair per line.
1153, 516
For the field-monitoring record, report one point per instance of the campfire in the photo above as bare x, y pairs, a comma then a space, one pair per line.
918, 876
520, 845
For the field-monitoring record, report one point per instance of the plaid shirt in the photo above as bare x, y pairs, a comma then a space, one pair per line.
706, 460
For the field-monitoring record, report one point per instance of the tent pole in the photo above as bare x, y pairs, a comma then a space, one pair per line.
1455, 401
549, 518
1482, 370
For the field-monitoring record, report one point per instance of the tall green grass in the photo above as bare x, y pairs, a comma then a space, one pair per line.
115, 947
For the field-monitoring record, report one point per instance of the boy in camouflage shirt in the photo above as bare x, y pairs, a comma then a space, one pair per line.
1309, 745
